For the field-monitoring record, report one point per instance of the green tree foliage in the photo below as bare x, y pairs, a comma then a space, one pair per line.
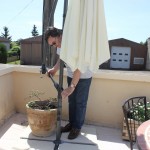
6, 33
15, 43
143, 43
34, 31
14, 51
12, 44
18, 42
3, 54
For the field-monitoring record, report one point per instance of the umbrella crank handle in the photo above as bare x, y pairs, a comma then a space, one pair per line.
44, 71
56, 84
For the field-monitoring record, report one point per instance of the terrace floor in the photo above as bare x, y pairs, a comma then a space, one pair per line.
16, 128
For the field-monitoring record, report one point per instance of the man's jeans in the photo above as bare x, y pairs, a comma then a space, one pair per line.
78, 102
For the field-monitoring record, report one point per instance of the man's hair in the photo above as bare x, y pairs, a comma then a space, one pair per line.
53, 32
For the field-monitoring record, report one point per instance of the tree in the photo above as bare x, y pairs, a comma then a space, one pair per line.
12, 44
6, 33
18, 42
143, 43
16, 51
3, 54
34, 31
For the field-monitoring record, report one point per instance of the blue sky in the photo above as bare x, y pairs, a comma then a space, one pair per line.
124, 18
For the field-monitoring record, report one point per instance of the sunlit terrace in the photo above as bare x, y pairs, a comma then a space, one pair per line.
104, 118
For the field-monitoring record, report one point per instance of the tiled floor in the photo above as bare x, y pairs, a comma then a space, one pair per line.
16, 128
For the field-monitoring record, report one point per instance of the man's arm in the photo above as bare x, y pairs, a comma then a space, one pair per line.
53, 70
56, 67
76, 76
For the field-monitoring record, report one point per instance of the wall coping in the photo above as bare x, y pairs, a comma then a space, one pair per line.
140, 76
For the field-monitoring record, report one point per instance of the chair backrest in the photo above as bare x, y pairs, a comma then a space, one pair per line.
135, 112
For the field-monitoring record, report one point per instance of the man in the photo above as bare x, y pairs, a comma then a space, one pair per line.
78, 87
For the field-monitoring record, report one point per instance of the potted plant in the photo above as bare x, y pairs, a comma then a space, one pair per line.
42, 114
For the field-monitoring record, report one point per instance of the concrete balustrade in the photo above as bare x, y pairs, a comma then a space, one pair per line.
109, 89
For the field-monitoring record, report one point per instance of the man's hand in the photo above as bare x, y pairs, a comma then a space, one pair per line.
66, 92
51, 72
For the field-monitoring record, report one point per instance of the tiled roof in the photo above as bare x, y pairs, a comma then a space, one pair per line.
36, 38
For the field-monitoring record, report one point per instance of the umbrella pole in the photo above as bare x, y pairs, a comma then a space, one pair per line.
59, 88
44, 70
59, 111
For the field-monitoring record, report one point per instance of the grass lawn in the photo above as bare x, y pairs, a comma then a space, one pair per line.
17, 62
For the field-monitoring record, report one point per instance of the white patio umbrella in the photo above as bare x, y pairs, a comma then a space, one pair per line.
84, 42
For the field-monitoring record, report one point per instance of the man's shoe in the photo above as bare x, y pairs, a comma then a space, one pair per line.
66, 128
73, 133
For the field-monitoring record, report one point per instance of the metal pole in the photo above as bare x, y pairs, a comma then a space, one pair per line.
42, 46
59, 112
65, 11
51, 23
47, 20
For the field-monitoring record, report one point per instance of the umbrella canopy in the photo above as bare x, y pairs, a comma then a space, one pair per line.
84, 42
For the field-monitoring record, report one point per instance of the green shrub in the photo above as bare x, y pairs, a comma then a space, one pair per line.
15, 48
12, 44
9, 53
3, 54
16, 51
138, 112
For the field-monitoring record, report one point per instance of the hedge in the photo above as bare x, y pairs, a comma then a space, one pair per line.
3, 54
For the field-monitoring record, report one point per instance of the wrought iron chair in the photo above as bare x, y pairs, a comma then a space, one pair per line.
135, 112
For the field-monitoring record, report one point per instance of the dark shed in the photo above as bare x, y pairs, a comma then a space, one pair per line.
31, 53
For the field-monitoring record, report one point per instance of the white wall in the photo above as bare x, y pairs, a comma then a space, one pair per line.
7, 107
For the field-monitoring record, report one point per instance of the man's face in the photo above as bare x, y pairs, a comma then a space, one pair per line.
54, 41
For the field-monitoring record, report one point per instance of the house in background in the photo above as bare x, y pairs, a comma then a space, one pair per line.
6, 42
31, 52
126, 55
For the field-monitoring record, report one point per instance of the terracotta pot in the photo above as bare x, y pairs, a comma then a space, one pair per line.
42, 122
